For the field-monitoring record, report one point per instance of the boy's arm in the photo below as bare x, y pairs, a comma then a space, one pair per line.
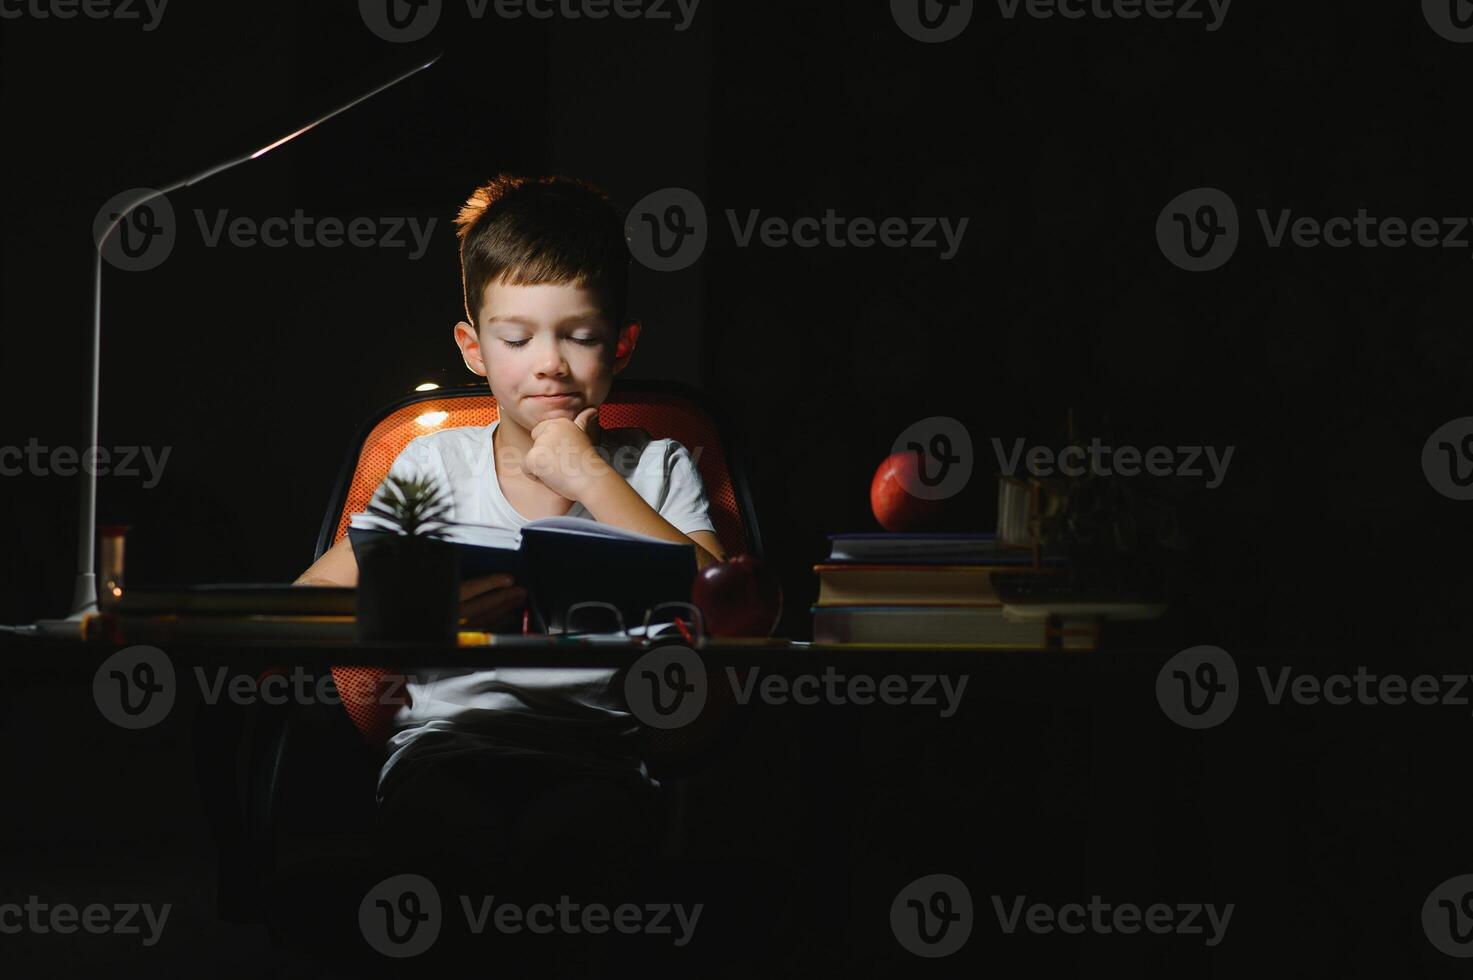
563, 458
709, 543
486, 602
611, 500
337, 566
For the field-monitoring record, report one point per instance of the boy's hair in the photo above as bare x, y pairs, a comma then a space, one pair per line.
529, 231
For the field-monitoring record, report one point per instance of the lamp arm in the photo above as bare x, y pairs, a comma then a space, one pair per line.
84, 594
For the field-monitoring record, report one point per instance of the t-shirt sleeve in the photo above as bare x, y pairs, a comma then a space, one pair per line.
417, 459
685, 505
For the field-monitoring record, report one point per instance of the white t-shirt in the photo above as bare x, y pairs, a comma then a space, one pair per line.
529, 711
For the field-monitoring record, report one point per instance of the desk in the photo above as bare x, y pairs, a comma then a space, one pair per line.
50, 655
1058, 777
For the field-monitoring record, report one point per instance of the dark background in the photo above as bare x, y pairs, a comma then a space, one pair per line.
1061, 141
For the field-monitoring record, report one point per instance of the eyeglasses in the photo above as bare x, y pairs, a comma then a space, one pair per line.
662, 621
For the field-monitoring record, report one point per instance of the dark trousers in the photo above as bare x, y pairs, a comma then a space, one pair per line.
523, 830
474, 810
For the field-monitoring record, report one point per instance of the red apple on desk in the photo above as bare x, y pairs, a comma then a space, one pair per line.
738, 597
896, 507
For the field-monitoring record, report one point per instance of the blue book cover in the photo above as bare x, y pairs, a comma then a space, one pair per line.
929, 547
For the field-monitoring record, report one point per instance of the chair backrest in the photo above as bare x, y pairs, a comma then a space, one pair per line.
666, 411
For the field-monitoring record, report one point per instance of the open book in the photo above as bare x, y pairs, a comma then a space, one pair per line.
565, 560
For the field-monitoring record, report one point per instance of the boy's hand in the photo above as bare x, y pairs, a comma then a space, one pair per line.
563, 457
492, 603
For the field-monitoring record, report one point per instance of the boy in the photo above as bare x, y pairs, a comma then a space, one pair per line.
544, 268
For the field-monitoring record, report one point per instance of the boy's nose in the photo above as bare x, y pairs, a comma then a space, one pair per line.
550, 360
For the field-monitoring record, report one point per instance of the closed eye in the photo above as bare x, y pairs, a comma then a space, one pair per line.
584, 341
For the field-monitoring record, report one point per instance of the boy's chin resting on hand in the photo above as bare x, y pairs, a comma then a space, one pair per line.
563, 457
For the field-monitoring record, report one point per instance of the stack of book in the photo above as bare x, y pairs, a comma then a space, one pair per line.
936, 590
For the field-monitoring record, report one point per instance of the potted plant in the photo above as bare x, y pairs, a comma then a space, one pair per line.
409, 578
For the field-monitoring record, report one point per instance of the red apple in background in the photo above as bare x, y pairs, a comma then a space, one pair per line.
895, 507
738, 597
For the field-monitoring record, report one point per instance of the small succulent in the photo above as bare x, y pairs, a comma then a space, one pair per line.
415, 506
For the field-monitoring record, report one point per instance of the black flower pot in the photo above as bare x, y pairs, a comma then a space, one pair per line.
408, 589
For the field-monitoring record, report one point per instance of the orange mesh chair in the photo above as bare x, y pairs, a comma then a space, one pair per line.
663, 409
306, 751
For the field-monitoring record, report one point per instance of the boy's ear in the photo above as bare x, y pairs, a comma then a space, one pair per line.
470, 347
628, 337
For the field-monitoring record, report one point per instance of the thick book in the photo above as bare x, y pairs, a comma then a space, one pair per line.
235, 600
912, 584
972, 627
562, 561
1084, 609
225, 629
889, 547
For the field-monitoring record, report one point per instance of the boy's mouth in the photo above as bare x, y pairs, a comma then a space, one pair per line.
554, 398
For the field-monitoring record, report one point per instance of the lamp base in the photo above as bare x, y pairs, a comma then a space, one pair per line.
84, 604
61, 629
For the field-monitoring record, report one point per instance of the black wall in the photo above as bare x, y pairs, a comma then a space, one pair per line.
1061, 141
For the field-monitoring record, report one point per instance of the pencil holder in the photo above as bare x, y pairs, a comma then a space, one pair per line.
408, 589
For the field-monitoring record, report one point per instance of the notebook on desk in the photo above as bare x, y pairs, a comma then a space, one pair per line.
562, 561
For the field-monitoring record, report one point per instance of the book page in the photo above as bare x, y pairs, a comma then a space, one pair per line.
484, 536
488, 536
481, 535
582, 525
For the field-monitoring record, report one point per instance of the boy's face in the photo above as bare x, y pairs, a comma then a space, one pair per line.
547, 351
